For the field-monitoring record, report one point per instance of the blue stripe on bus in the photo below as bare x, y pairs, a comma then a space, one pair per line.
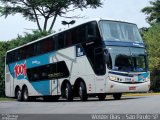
124, 44
42, 87
143, 76
31, 62
40, 60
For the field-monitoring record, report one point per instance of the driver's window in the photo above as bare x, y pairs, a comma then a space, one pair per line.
99, 63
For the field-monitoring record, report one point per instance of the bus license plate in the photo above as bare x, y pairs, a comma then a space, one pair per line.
132, 88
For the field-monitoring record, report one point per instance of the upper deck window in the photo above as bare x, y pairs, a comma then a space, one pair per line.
120, 31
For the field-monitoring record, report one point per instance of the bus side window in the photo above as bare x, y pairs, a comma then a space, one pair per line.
23, 53
83, 34
9, 58
78, 35
99, 63
19, 54
12, 56
69, 39
33, 74
61, 40
15, 55
47, 45
37, 48
92, 32
54, 42
30, 50
62, 70
74, 34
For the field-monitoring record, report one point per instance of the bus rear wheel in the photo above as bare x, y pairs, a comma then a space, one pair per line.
18, 95
82, 91
25, 96
117, 96
68, 92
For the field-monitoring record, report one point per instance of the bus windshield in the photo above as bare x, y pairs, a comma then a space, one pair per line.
122, 59
119, 31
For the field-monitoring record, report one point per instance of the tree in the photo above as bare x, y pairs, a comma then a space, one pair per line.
4, 46
153, 12
34, 10
152, 39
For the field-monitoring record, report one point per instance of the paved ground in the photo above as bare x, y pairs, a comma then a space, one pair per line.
131, 104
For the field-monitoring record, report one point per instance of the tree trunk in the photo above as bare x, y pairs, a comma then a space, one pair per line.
53, 21
45, 24
37, 21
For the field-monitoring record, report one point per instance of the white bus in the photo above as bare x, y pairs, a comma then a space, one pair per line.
96, 58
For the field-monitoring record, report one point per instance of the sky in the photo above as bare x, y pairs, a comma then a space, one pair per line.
123, 10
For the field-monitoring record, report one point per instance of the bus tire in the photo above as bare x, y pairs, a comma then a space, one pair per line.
82, 91
18, 95
102, 96
68, 92
25, 96
117, 96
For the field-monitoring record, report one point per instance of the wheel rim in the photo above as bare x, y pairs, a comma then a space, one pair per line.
18, 94
80, 91
66, 92
25, 95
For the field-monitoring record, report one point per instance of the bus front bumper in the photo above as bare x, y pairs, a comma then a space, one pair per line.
117, 87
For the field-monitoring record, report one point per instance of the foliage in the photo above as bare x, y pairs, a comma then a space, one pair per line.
155, 83
34, 10
2, 54
4, 46
152, 39
6, 99
153, 12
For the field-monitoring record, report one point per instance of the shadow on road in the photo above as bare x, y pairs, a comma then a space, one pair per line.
90, 99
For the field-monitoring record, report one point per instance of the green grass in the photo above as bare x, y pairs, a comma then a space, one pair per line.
140, 94
6, 99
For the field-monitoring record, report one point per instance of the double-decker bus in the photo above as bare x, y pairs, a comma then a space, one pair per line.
96, 58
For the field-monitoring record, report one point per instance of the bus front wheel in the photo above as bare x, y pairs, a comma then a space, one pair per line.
68, 92
117, 96
82, 91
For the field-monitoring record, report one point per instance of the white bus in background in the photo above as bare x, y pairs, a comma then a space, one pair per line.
96, 58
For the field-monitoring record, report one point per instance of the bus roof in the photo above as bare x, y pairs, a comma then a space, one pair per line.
86, 21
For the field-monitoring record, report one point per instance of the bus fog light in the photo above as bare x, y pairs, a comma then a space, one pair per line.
113, 78
147, 79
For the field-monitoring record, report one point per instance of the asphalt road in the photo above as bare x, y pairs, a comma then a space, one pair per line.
131, 104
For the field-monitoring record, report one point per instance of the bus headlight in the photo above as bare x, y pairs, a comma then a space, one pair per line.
147, 79
113, 78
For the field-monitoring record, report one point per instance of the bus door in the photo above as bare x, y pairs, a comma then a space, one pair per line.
100, 70
9, 83
54, 87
